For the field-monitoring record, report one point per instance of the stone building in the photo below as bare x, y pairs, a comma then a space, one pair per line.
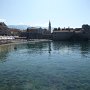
35, 33
15, 32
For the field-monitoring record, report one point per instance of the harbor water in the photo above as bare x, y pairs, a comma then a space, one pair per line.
45, 66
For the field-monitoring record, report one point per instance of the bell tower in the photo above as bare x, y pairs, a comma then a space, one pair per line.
49, 28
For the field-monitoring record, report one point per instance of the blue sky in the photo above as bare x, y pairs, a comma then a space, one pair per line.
61, 13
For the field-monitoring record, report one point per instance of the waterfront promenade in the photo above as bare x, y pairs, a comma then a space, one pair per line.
6, 40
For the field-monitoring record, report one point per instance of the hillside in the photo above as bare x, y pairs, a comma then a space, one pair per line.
4, 30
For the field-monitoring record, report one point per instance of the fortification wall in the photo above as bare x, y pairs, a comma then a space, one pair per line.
62, 35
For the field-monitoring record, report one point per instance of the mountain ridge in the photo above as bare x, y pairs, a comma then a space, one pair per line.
21, 27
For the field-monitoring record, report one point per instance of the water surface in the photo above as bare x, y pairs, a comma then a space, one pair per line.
45, 66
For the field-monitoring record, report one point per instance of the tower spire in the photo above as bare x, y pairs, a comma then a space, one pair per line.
49, 28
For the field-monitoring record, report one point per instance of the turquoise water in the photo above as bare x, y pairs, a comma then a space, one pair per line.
45, 66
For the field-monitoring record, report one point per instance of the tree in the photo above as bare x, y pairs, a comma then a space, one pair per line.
55, 29
86, 27
58, 28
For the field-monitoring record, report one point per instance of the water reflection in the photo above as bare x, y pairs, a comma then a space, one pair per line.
3, 53
40, 48
49, 47
29, 67
81, 46
85, 49
30, 48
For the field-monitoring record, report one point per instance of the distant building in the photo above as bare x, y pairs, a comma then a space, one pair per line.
23, 33
72, 34
15, 32
35, 33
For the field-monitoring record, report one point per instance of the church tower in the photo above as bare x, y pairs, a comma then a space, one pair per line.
49, 28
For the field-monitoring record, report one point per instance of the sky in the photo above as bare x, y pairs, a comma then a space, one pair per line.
61, 13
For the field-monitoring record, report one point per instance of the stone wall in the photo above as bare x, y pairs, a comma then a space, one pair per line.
62, 35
